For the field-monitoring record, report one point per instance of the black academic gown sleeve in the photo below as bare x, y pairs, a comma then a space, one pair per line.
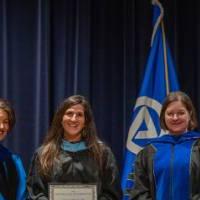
144, 186
36, 185
110, 188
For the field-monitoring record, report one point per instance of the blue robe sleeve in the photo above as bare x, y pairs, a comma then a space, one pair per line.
21, 189
1, 197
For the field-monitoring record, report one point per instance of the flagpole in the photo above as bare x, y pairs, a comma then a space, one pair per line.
165, 58
160, 21
159, 75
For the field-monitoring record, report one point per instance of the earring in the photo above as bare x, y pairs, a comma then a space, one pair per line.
83, 133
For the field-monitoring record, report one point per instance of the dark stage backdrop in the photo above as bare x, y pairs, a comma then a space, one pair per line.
50, 49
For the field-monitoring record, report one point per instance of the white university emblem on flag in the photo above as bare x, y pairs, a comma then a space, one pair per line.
143, 115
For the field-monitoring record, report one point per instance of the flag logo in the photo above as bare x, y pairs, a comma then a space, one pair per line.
144, 108
159, 79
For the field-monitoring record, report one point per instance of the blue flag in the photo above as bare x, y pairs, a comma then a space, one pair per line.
159, 79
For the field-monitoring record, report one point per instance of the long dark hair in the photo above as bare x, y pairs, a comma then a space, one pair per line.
51, 147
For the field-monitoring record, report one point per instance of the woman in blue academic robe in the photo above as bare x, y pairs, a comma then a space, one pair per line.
169, 167
12, 174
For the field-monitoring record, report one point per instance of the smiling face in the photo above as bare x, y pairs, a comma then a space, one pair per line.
177, 118
4, 124
73, 122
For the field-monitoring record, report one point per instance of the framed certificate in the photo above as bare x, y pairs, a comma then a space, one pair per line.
72, 191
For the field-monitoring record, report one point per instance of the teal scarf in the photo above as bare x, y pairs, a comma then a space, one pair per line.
73, 147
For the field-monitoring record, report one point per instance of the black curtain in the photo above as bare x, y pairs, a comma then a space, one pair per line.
51, 49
